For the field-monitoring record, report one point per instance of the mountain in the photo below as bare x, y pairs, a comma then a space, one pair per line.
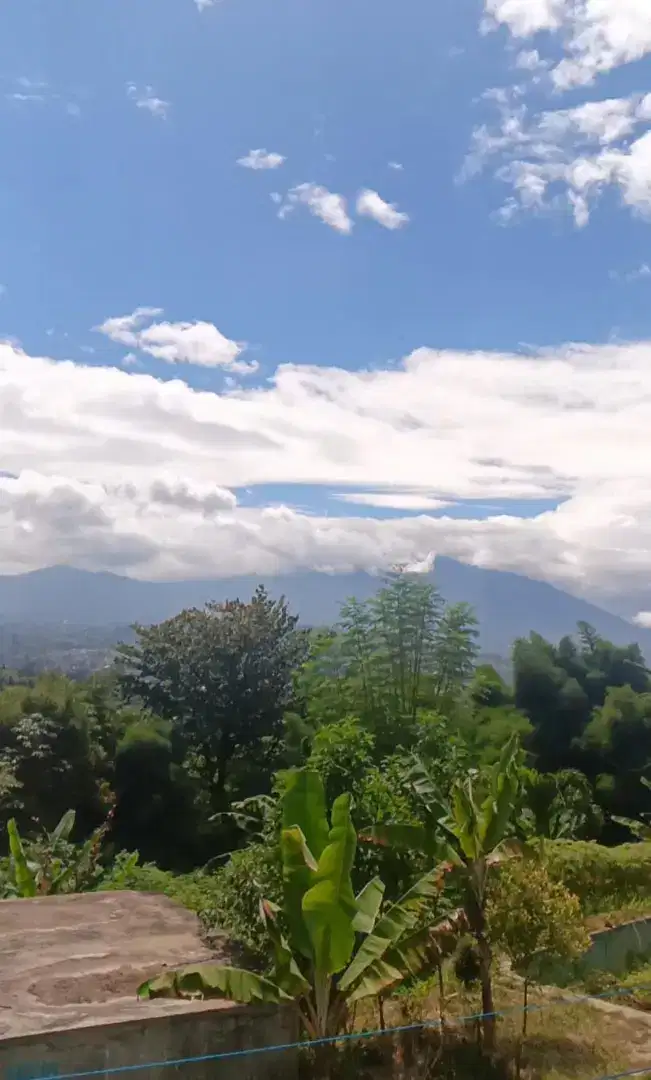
507, 605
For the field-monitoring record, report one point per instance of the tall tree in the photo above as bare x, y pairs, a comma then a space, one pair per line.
223, 676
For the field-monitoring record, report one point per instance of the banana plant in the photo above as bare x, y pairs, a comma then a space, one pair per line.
473, 831
331, 948
53, 865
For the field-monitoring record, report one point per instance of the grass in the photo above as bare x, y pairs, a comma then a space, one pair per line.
563, 1042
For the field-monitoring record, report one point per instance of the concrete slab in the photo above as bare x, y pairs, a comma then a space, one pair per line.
71, 961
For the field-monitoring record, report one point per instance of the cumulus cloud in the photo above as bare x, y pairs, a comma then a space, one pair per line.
203, 5
199, 343
146, 99
370, 204
569, 157
597, 35
643, 618
326, 205
261, 159
114, 468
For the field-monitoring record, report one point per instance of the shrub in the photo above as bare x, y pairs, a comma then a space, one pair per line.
196, 891
603, 878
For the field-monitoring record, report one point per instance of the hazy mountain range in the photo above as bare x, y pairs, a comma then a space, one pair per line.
507, 605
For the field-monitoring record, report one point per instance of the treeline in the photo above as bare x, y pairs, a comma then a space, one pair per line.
182, 741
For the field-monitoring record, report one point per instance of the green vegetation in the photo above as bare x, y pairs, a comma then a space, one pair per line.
471, 822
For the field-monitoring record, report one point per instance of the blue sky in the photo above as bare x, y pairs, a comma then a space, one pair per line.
516, 222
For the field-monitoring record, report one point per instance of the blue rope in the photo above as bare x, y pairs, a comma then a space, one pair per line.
630, 1072
355, 1035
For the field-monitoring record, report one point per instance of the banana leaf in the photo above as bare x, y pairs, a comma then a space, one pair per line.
411, 955
64, 828
397, 920
24, 876
404, 838
287, 973
329, 907
304, 805
299, 870
368, 901
214, 981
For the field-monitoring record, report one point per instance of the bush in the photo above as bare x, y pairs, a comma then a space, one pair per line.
250, 874
196, 891
603, 878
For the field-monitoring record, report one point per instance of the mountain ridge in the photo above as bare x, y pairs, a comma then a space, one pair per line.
507, 605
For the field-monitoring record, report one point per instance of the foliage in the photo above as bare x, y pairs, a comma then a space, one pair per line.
223, 677
331, 948
558, 806
51, 864
472, 829
603, 878
534, 919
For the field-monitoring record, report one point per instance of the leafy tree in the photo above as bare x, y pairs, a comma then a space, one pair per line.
535, 921
455, 651
617, 742
49, 746
158, 810
223, 677
331, 948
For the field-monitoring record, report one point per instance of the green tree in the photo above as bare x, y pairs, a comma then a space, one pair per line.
535, 921
331, 948
49, 746
617, 745
223, 677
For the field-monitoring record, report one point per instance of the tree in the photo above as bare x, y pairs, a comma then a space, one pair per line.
49, 746
475, 830
331, 948
223, 676
535, 921
617, 747
559, 806
455, 650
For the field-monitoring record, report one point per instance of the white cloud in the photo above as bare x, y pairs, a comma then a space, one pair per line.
198, 343
529, 60
203, 5
370, 204
643, 618
569, 156
391, 500
148, 100
598, 35
396, 166
638, 274
326, 205
261, 159
118, 469
526, 17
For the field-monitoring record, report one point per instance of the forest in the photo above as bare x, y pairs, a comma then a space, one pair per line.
311, 794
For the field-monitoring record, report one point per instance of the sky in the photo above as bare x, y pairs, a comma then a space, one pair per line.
337, 286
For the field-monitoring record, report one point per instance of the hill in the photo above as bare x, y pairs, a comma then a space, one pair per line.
507, 605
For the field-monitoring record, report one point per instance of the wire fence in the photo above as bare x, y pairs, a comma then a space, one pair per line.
44, 1072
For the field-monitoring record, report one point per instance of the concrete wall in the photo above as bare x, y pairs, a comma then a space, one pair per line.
612, 949
158, 1039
